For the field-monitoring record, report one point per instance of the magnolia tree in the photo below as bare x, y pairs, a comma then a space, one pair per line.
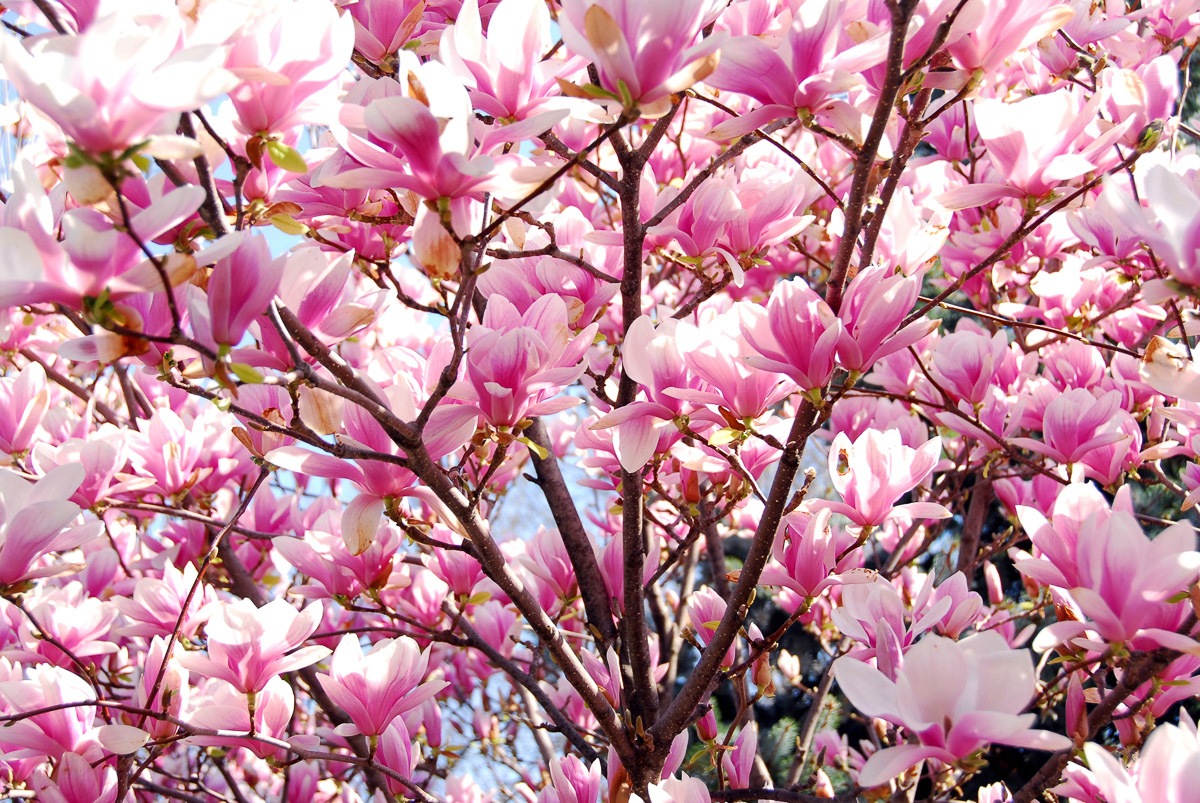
594, 400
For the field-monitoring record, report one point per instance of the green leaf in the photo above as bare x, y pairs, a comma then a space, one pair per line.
286, 157
288, 224
724, 436
246, 374
533, 447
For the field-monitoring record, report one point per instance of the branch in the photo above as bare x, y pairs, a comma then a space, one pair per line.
575, 538
1141, 669
211, 209
637, 670
865, 162
496, 565
808, 419
530, 684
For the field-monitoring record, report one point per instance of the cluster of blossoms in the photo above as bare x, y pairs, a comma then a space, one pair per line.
566, 401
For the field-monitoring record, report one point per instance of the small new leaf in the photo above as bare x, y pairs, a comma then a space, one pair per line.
286, 157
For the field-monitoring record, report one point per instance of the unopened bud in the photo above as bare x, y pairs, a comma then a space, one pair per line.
706, 726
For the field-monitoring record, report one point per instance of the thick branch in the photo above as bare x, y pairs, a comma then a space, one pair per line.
495, 565
860, 185
676, 717
575, 538
637, 671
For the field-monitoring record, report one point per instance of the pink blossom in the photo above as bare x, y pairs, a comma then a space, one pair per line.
36, 520
239, 289
705, 610
738, 763
77, 781
612, 566
806, 557
1036, 145
377, 687
572, 781
676, 789
70, 617
967, 363
716, 353
875, 303
24, 399
399, 753
504, 71
116, 84
154, 606
1173, 225
990, 32
248, 646
1164, 770
954, 697
650, 357
874, 471
642, 50
323, 557
289, 61
1121, 580
230, 710
92, 259
172, 694
797, 335
420, 136
383, 27
801, 75
1142, 95
874, 615
518, 363
965, 607
55, 732
1075, 423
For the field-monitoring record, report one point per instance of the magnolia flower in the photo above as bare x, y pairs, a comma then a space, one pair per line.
377, 687
24, 400
1121, 580
270, 714
806, 557
35, 520
572, 781
875, 304
248, 646
797, 334
705, 609
398, 753
649, 356
642, 51
1036, 145
874, 471
117, 84
681, 789
800, 75
517, 364
954, 697
1166, 769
